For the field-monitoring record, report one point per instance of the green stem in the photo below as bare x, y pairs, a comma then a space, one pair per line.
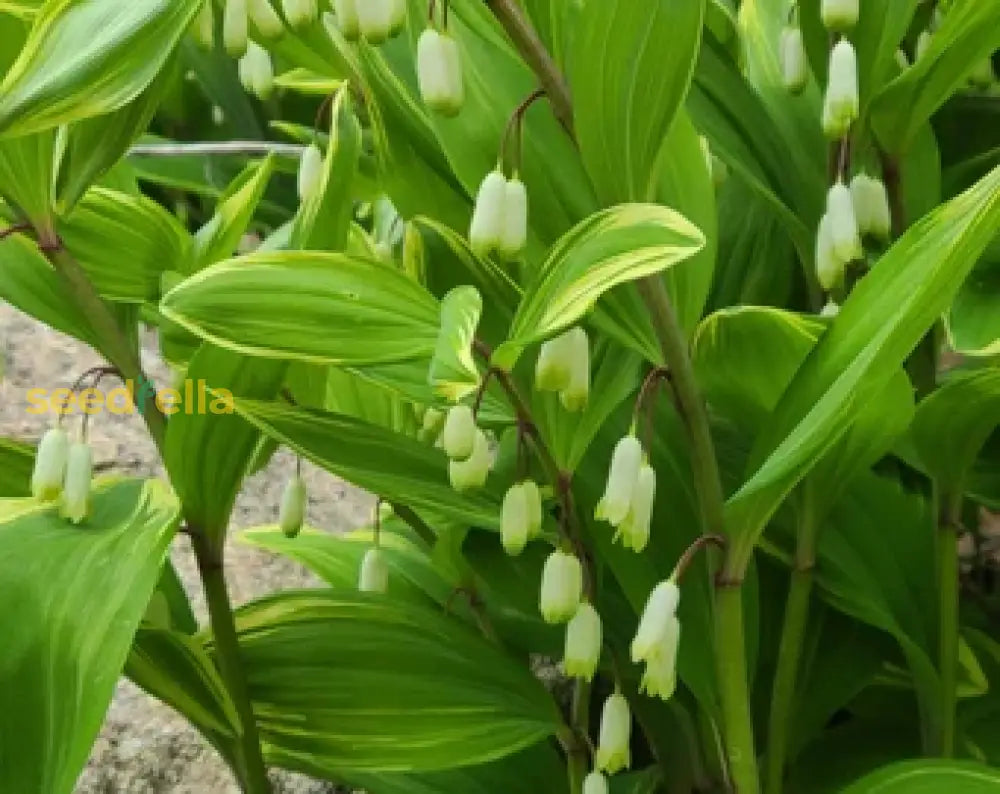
731, 669
253, 772
949, 511
790, 646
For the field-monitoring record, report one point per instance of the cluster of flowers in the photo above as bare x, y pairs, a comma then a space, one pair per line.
62, 473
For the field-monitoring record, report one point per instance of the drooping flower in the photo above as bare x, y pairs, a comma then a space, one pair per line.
660, 676
595, 783
533, 500
465, 475
459, 435
841, 104
634, 530
292, 511
310, 172
300, 13
562, 586
439, 72
844, 234
487, 225
794, 64
50, 465
346, 13
622, 477
514, 526
514, 232
256, 71
431, 425
829, 266
203, 27
554, 365
840, 15
265, 18
379, 20
75, 505
234, 27
613, 752
374, 574
654, 624
574, 397
583, 643
871, 206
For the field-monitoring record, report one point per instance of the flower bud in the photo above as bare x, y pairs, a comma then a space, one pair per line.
466, 475
982, 76
514, 520
292, 512
923, 44
374, 575
654, 624
622, 477
300, 13
829, 266
839, 15
533, 499
595, 783
234, 27
256, 71
613, 752
310, 172
265, 18
583, 643
552, 370
634, 530
574, 397
50, 465
439, 72
203, 27
840, 105
660, 676
346, 12
514, 231
871, 206
844, 235
76, 491
459, 435
380, 19
831, 309
794, 65
562, 586
432, 424
488, 214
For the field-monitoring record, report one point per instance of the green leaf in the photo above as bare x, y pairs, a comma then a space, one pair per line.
929, 776
396, 467
27, 168
208, 447
453, 373
627, 87
969, 33
973, 323
16, 464
953, 423
124, 243
324, 218
80, 594
85, 58
355, 681
880, 323
325, 308
611, 247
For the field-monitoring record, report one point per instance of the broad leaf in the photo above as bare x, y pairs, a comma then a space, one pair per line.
929, 776
973, 323
85, 58
80, 593
453, 373
16, 463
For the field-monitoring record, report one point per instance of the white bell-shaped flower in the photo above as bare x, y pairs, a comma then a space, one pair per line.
634, 530
235, 27
374, 574
829, 266
265, 18
840, 15
659, 679
574, 397
310, 172
75, 505
439, 72
459, 435
487, 225
595, 783
292, 510
50, 465
300, 13
794, 64
844, 234
203, 27
552, 370
871, 206
841, 103
533, 499
622, 477
655, 621
346, 13
514, 520
466, 475
583, 643
431, 425
613, 751
562, 587
514, 232
378, 19
256, 71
